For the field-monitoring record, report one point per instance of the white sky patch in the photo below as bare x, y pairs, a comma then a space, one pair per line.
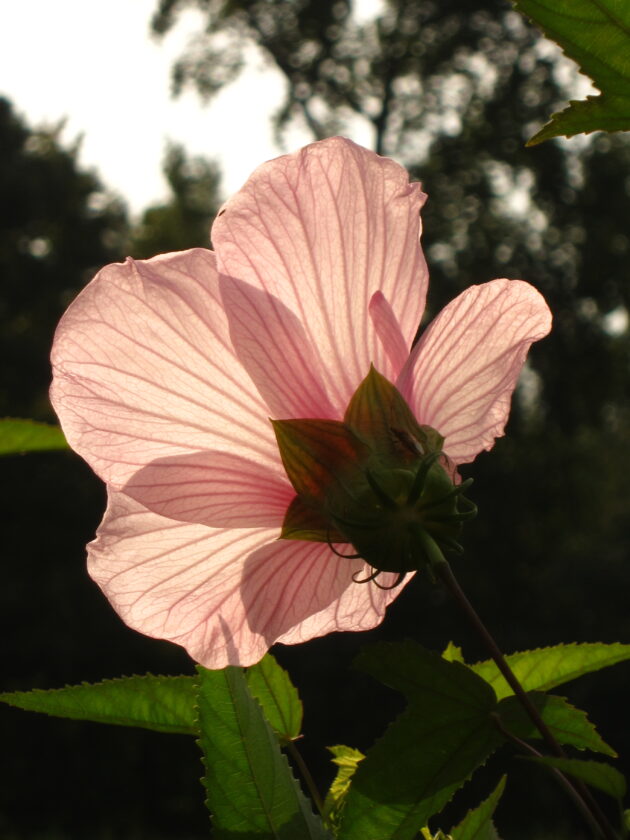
513, 191
96, 65
616, 322
365, 10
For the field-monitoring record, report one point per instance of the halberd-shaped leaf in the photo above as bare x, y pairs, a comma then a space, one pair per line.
545, 668
594, 773
17, 436
165, 704
477, 824
272, 687
596, 34
251, 792
401, 784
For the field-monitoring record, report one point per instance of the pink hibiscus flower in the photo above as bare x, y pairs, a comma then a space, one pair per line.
167, 372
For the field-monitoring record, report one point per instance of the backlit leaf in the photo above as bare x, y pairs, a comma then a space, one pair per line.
545, 668
251, 792
567, 724
596, 34
594, 773
400, 785
165, 704
477, 824
17, 436
271, 686
347, 760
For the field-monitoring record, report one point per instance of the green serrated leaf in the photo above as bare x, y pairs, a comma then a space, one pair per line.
453, 653
165, 704
347, 760
19, 436
477, 824
595, 34
567, 724
251, 792
399, 786
595, 773
545, 668
272, 687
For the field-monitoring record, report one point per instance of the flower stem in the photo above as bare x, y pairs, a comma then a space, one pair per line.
578, 801
306, 775
443, 571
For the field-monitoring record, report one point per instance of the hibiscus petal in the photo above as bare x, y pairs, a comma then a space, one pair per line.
144, 369
323, 230
226, 595
213, 488
273, 347
388, 330
318, 593
460, 375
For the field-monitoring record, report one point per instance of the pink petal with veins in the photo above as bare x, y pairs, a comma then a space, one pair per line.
323, 230
226, 595
144, 369
460, 376
166, 373
272, 345
388, 331
213, 488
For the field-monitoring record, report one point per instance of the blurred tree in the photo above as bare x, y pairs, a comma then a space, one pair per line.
184, 222
453, 88
57, 226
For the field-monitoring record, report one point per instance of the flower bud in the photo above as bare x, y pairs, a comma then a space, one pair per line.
378, 480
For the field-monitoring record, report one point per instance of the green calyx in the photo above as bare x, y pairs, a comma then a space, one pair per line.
378, 481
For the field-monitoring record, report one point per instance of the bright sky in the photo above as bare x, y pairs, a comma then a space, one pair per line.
96, 65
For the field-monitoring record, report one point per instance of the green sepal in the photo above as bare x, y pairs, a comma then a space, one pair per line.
602, 776
378, 481
318, 455
477, 824
380, 416
305, 522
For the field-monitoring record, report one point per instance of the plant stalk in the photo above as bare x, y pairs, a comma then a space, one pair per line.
573, 794
443, 571
306, 775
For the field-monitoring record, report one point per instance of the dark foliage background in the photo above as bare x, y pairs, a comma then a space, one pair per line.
453, 89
